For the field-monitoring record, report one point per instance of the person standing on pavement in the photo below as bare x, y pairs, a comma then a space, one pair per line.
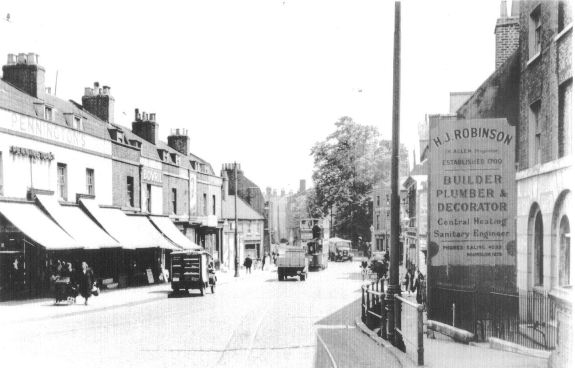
263, 261
248, 264
86, 281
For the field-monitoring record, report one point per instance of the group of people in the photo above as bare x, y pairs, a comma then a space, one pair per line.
414, 282
249, 262
82, 279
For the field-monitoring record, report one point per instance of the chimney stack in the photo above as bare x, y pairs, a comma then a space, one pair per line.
506, 33
99, 102
144, 127
178, 140
24, 73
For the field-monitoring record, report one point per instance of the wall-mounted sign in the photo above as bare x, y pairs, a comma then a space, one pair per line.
151, 175
27, 152
472, 192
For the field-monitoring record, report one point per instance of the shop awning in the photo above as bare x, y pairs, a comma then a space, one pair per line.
127, 230
151, 233
77, 224
36, 225
167, 227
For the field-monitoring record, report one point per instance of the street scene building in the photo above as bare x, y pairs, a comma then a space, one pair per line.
241, 198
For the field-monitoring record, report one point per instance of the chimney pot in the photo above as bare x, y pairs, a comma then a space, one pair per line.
106, 90
96, 85
88, 91
32, 58
11, 59
152, 116
21, 58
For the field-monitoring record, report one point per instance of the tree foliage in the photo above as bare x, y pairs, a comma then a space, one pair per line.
346, 165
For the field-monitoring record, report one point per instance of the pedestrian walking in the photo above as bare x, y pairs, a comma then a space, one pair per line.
248, 264
263, 261
86, 282
418, 285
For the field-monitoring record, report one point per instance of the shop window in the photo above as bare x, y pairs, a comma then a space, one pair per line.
538, 250
62, 181
535, 125
90, 184
174, 201
565, 106
213, 205
149, 198
130, 191
564, 252
535, 32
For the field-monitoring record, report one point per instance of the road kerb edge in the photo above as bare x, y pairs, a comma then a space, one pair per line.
401, 358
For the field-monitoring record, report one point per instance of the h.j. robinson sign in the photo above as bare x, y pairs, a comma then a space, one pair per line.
472, 192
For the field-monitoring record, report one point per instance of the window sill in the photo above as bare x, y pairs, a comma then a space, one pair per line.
533, 58
565, 30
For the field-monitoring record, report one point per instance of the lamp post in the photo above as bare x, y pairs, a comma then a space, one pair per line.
236, 261
393, 287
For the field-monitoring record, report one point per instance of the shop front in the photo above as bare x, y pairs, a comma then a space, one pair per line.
30, 246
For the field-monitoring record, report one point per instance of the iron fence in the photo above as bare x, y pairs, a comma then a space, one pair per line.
524, 318
409, 325
373, 307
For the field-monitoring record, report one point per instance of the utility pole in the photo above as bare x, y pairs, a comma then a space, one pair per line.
237, 261
393, 288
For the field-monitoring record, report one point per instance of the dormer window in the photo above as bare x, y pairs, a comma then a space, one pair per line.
194, 166
164, 155
78, 123
120, 137
48, 113
173, 156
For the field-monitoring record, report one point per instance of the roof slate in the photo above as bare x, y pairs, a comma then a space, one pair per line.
13, 99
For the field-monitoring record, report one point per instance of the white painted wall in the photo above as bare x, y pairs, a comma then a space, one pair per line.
21, 172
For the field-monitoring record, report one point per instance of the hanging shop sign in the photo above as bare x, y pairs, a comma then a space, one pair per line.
27, 152
472, 192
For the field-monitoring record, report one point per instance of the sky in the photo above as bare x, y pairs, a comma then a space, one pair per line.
259, 82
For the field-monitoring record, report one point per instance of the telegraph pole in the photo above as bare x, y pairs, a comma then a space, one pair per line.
393, 288
237, 261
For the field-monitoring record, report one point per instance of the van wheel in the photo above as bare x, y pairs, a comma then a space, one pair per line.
279, 276
302, 277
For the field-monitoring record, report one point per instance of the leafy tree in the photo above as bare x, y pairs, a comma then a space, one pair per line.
346, 165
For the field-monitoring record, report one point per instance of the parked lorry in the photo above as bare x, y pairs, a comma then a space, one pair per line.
292, 261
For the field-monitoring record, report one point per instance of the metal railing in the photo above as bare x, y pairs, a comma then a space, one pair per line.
373, 307
411, 333
524, 318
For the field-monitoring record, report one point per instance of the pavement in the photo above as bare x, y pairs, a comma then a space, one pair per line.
15, 312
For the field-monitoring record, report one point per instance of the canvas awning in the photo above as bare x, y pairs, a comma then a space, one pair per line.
127, 230
36, 225
151, 233
167, 227
77, 224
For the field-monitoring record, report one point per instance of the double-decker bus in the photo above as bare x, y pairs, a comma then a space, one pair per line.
311, 235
